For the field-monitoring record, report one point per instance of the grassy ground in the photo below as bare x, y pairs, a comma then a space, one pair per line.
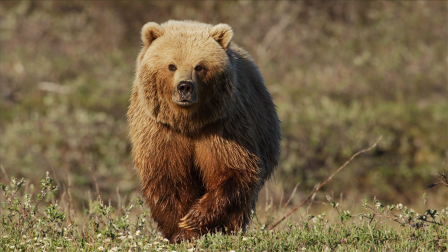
36, 222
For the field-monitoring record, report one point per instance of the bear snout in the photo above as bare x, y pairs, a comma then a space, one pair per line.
185, 93
185, 89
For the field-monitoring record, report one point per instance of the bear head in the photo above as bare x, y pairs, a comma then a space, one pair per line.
184, 74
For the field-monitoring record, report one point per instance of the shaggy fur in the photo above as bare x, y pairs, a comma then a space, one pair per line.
202, 155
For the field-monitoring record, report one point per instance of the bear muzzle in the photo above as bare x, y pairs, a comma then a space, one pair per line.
185, 94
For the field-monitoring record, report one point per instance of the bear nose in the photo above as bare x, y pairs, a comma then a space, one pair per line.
185, 88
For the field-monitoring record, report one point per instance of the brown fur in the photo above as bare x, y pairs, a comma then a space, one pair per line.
202, 164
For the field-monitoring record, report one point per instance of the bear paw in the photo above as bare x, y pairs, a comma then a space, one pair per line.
189, 221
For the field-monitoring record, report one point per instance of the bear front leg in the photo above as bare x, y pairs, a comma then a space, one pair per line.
170, 183
230, 174
169, 202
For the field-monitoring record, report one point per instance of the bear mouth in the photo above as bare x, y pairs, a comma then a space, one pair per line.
184, 103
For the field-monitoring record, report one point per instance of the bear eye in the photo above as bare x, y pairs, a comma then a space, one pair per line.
172, 67
198, 68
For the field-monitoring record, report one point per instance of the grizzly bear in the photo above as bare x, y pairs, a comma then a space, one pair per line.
204, 129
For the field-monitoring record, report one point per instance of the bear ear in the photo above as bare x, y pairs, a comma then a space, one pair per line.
150, 32
222, 33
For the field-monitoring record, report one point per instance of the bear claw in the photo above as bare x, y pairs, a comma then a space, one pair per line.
187, 224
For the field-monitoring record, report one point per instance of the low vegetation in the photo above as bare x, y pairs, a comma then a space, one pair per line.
36, 221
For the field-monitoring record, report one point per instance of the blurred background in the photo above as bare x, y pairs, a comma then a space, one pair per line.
341, 74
